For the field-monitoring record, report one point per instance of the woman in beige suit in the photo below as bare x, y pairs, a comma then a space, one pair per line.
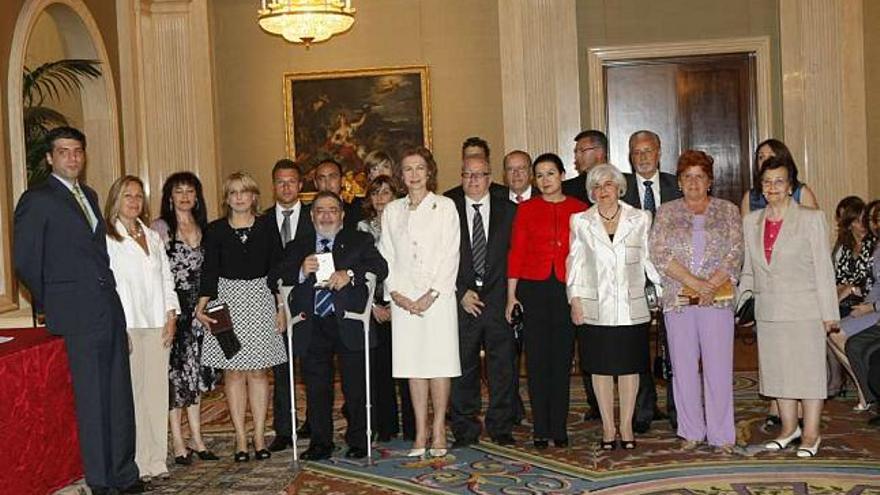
788, 269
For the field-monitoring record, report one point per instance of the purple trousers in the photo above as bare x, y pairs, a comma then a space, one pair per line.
705, 406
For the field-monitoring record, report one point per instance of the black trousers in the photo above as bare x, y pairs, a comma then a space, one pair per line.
549, 345
387, 406
281, 397
101, 376
859, 349
646, 400
318, 371
489, 331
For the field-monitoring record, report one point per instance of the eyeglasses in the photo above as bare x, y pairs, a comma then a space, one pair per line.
586, 149
643, 152
774, 183
474, 175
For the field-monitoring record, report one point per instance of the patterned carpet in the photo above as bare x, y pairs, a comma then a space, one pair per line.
848, 462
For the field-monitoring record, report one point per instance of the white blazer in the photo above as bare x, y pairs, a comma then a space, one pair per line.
144, 282
609, 276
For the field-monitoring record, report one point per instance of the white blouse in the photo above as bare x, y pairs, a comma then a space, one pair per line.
144, 282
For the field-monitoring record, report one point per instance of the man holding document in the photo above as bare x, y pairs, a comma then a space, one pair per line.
326, 270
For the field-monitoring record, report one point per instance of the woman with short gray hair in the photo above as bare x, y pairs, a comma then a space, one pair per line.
606, 269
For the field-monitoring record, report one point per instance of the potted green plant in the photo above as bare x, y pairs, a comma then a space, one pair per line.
49, 81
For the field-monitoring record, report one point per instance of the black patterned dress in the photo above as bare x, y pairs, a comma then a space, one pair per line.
187, 377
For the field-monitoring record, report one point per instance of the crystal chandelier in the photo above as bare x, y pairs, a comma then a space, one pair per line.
306, 21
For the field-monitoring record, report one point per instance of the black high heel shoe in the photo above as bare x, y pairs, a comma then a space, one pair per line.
205, 455
241, 456
184, 460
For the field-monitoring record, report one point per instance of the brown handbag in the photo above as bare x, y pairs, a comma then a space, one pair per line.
223, 330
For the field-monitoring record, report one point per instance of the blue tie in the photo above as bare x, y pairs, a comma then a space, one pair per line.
650, 204
324, 297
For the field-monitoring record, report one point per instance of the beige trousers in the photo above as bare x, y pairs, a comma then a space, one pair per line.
149, 383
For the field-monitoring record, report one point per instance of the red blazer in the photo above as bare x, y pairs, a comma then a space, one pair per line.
539, 243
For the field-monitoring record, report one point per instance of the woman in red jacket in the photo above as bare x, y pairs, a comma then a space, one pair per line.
536, 281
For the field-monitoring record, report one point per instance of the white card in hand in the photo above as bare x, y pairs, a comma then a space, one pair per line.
325, 268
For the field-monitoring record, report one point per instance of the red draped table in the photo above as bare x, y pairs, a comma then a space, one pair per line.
39, 449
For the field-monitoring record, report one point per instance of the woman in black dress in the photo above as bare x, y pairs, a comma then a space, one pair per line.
239, 250
181, 221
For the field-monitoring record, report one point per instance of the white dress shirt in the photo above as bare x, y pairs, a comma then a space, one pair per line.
655, 186
524, 195
470, 213
294, 218
143, 281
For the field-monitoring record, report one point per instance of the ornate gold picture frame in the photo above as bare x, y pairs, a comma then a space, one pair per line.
346, 114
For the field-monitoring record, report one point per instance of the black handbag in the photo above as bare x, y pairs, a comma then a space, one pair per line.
745, 309
516, 324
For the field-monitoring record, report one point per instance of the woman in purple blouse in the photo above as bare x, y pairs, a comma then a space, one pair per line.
697, 245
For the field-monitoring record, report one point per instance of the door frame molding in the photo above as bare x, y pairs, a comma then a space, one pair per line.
758, 47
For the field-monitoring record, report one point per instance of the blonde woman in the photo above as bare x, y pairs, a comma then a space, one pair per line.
146, 290
239, 251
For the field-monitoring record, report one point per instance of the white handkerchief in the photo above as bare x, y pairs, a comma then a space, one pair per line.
326, 268
4, 340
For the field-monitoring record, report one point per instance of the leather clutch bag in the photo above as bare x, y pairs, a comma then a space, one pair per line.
220, 313
223, 330
689, 297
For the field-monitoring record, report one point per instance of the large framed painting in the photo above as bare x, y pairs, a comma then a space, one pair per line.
347, 114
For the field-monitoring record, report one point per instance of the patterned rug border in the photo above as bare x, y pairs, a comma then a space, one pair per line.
383, 481
765, 465
658, 485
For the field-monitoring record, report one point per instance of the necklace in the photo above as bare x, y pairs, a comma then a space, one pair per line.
135, 233
611, 218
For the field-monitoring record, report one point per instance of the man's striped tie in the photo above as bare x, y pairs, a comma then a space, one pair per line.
324, 297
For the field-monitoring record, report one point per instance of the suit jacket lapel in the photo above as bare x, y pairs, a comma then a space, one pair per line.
494, 219
625, 224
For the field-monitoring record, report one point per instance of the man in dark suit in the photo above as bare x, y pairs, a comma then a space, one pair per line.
475, 147
642, 188
60, 253
518, 176
328, 177
481, 288
324, 331
290, 220
590, 149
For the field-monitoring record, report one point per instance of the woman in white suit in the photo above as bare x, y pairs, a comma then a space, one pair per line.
420, 242
788, 269
146, 289
606, 267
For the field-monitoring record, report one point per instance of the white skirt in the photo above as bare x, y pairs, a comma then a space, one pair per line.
426, 346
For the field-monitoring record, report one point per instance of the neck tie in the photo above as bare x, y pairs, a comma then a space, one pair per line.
519, 198
649, 203
285, 227
478, 243
324, 297
81, 199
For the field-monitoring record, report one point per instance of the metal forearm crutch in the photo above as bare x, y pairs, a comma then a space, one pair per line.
364, 318
285, 290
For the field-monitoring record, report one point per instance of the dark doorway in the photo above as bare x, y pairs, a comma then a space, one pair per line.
700, 102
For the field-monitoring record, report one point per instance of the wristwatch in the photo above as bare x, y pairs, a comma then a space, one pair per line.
350, 274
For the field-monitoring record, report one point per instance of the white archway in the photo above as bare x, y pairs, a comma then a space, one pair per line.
82, 39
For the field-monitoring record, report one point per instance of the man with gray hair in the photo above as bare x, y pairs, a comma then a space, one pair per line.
647, 188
